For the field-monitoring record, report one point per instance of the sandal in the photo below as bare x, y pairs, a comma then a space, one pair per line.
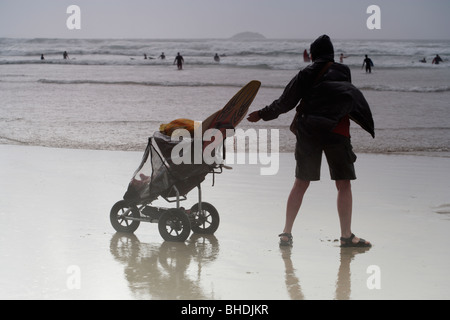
287, 242
349, 243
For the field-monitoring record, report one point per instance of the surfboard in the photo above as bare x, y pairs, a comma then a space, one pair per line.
234, 111
226, 118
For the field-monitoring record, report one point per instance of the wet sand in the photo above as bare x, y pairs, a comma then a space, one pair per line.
57, 241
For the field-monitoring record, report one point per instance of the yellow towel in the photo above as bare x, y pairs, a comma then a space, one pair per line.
182, 123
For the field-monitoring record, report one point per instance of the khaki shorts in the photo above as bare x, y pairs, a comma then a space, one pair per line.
339, 154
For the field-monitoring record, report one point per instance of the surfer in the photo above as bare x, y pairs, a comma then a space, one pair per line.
436, 60
65, 55
162, 56
179, 61
329, 101
342, 57
216, 58
369, 64
42, 57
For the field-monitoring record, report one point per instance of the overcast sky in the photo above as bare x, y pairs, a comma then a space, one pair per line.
294, 19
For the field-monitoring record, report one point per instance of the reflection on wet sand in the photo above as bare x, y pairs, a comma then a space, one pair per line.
159, 271
292, 282
173, 270
343, 282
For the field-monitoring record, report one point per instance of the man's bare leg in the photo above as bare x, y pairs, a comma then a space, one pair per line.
344, 207
293, 204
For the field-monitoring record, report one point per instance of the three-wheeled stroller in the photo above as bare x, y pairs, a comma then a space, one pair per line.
161, 174
158, 175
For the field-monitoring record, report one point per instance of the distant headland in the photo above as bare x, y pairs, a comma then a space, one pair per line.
248, 36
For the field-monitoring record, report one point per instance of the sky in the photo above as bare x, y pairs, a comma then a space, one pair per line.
179, 19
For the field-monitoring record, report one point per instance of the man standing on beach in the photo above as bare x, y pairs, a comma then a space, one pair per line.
329, 101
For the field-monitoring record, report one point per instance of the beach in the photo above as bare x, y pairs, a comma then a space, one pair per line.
55, 212
72, 133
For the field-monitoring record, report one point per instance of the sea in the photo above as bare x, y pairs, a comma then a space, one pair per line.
112, 94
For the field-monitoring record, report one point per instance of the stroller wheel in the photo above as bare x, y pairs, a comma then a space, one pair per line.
174, 225
204, 222
119, 212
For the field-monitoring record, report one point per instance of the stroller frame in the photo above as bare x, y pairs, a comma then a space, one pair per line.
174, 224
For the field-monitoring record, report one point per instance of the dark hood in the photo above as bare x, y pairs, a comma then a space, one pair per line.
322, 48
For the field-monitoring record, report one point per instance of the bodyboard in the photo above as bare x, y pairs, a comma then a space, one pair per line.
235, 110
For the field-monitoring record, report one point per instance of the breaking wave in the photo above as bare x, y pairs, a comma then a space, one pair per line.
380, 88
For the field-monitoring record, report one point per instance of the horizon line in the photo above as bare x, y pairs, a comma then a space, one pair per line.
220, 38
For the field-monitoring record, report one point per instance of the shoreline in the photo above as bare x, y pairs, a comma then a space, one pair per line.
55, 207
433, 154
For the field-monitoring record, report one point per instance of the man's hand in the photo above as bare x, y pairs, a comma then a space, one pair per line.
254, 116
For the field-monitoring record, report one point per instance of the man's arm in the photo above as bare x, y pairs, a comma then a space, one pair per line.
287, 101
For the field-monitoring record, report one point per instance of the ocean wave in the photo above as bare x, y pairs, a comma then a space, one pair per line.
267, 54
65, 62
141, 83
379, 88
261, 63
138, 61
405, 89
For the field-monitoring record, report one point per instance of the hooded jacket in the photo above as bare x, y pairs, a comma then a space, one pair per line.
327, 101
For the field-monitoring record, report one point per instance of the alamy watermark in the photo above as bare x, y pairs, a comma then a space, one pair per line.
374, 20
232, 146
374, 280
73, 22
74, 279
